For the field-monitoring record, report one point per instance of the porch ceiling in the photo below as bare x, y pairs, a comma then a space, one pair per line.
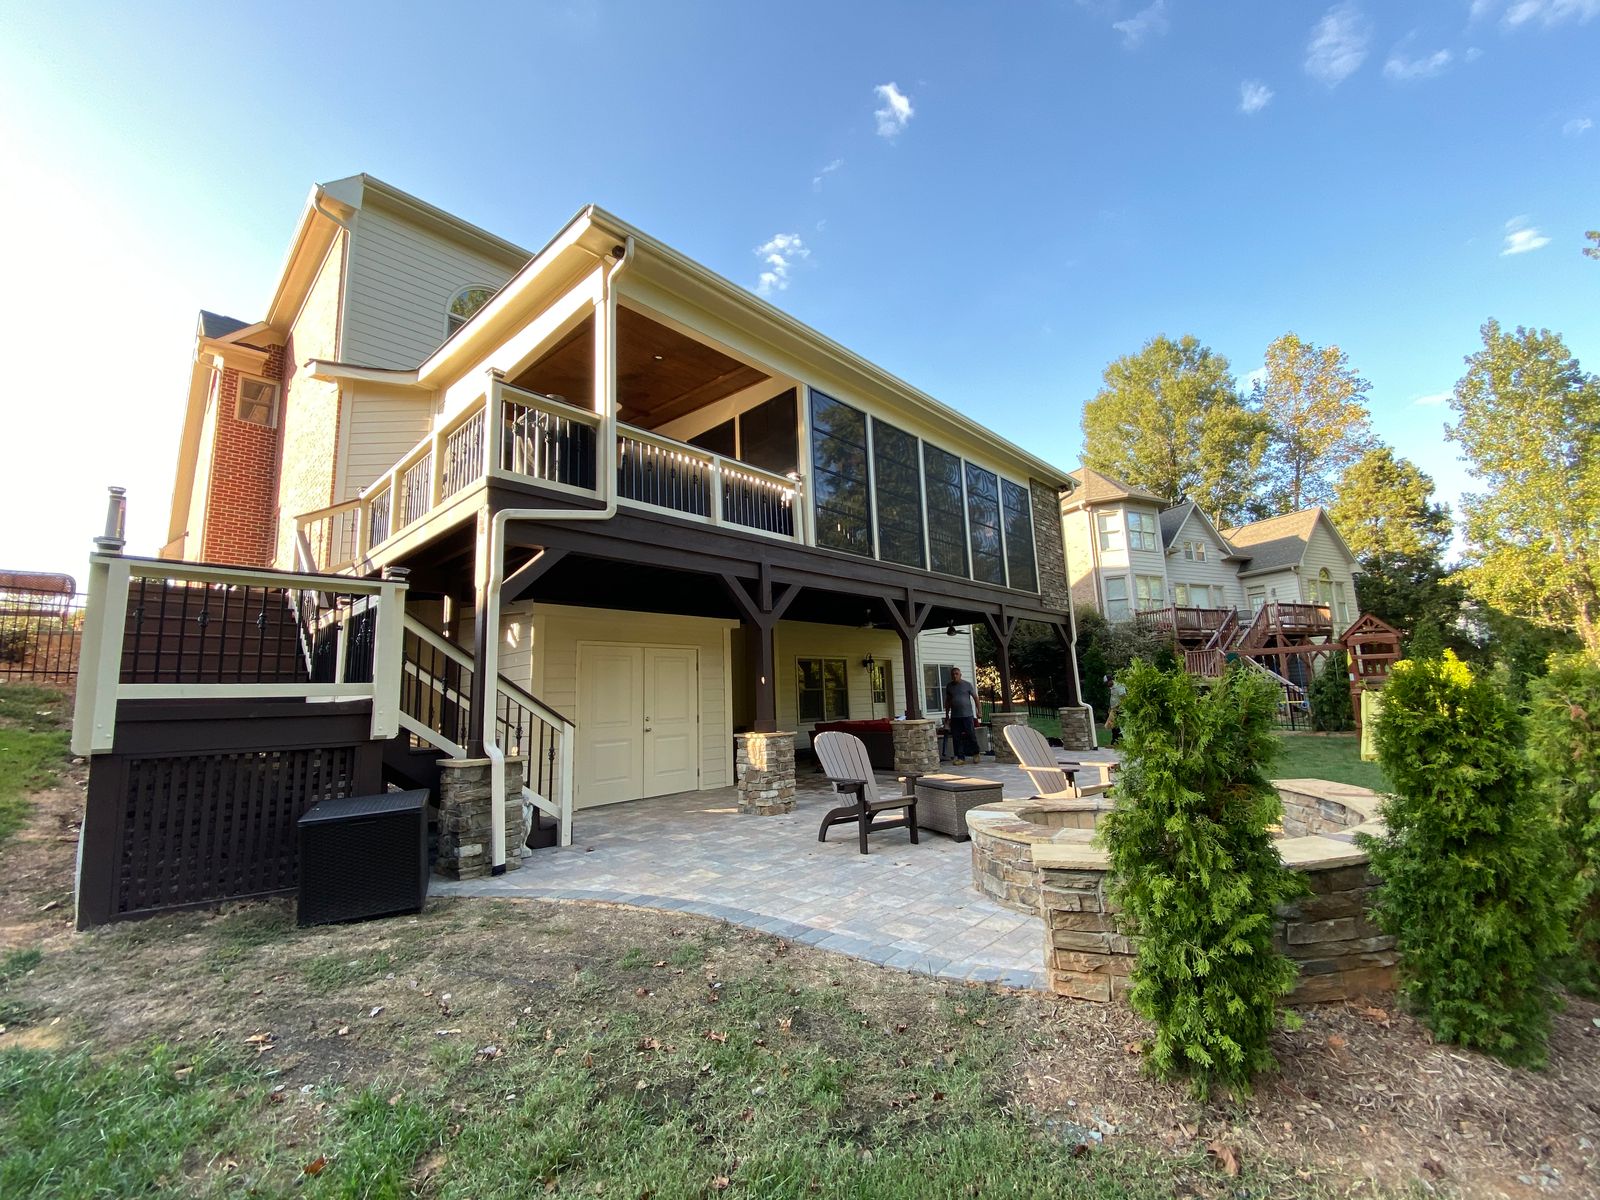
661, 374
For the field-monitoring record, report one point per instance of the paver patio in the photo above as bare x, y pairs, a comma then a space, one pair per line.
905, 906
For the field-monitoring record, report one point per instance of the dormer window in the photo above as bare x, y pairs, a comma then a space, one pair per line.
464, 305
257, 402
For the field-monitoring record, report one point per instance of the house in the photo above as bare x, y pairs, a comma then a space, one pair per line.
1279, 591
629, 500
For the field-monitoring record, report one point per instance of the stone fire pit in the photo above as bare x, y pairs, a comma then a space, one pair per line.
1036, 856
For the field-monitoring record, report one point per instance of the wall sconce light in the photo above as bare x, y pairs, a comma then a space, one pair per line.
867, 662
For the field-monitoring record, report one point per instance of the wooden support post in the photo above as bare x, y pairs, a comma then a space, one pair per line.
909, 616
482, 690
762, 608
1001, 627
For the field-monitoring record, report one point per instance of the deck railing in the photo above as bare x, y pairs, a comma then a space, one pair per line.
157, 630
522, 436
1184, 620
436, 708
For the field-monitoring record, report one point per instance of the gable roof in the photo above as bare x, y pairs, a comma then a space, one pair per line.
1280, 541
215, 325
1175, 518
1096, 487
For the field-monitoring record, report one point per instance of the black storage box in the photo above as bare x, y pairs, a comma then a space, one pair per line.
364, 856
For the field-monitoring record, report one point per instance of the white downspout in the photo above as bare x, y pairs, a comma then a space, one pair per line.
606, 374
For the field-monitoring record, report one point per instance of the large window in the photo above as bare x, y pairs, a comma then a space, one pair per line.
1018, 506
897, 476
947, 526
1141, 531
839, 475
1342, 601
935, 678
1194, 551
824, 689
1117, 598
1151, 592
983, 523
1196, 595
1109, 530
767, 435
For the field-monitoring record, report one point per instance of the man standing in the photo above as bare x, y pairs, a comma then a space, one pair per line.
961, 712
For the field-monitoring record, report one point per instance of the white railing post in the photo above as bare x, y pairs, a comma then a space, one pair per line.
388, 648
716, 489
492, 406
564, 784
103, 672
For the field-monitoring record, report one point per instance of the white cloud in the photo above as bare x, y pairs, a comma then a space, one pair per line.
1522, 237
1407, 70
1550, 12
896, 111
1432, 400
822, 173
1338, 44
1253, 96
777, 254
1577, 127
1481, 9
1259, 375
1146, 23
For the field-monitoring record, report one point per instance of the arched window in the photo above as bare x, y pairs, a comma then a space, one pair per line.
464, 304
1324, 587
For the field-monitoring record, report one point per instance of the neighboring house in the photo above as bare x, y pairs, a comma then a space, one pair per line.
1285, 581
691, 514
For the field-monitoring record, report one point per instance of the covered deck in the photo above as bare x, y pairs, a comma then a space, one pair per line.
904, 906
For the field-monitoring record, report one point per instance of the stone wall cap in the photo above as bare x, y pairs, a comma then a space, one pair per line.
1066, 856
1318, 851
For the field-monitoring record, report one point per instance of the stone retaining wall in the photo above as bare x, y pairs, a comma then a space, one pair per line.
464, 812
916, 746
1030, 848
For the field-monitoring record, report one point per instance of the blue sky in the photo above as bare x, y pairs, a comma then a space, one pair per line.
1047, 186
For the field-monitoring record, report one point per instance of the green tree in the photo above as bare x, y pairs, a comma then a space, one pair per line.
1315, 406
1385, 506
1594, 236
1564, 739
1169, 420
1195, 874
1466, 889
1329, 695
1528, 423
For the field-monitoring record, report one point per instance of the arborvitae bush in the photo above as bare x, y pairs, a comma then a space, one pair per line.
1196, 875
1329, 695
1564, 738
1470, 881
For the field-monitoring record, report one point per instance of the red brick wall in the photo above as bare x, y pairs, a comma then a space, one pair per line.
240, 524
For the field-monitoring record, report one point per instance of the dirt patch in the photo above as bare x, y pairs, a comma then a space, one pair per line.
405, 1003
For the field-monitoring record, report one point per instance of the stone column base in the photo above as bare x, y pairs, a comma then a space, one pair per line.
1077, 728
997, 728
465, 836
764, 773
916, 746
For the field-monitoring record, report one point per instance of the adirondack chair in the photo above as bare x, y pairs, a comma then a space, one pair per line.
844, 761
1056, 779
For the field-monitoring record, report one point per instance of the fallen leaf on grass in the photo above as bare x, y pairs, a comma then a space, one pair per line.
342, 1031
713, 1035
376, 1009
1335, 1042
720, 1183
488, 1052
1227, 1157
315, 1166
182, 1073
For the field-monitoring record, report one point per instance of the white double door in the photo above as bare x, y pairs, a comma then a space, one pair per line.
638, 722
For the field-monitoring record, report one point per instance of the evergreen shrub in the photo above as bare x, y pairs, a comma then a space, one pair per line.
1329, 695
1195, 873
1467, 888
1564, 739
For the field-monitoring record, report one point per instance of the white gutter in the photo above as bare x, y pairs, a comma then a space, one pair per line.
606, 375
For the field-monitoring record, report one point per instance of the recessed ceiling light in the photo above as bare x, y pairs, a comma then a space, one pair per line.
659, 357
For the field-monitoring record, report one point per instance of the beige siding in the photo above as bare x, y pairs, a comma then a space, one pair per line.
1277, 587
310, 415
1222, 577
1324, 552
383, 424
402, 278
199, 493
557, 630
802, 639
935, 646
1076, 529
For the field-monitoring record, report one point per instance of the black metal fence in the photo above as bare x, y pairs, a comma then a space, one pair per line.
40, 633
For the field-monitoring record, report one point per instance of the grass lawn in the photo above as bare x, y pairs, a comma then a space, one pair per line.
1335, 756
506, 1048
33, 748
